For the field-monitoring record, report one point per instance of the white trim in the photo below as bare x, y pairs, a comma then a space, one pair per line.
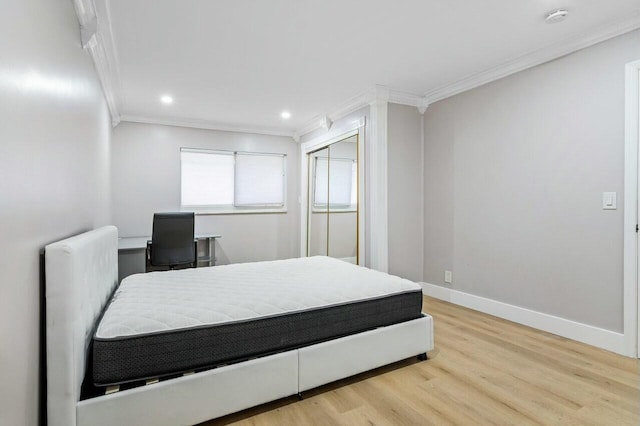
536, 57
362, 187
84, 10
100, 44
360, 101
322, 141
422, 190
528, 60
377, 173
351, 105
204, 124
88, 32
97, 38
605, 339
202, 212
113, 89
424, 104
303, 198
631, 296
405, 98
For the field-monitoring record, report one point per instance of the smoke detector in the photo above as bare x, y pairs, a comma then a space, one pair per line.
556, 16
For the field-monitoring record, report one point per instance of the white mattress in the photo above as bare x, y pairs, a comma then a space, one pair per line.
162, 301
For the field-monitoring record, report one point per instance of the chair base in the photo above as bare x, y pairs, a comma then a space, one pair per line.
149, 267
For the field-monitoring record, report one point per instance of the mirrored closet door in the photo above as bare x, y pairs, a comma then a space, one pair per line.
333, 201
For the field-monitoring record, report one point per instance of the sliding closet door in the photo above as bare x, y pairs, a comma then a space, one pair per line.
318, 215
343, 200
333, 201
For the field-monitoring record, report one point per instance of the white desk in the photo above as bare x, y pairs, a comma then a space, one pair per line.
132, 243
132, 246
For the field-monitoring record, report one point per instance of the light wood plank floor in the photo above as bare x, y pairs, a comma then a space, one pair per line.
484, 370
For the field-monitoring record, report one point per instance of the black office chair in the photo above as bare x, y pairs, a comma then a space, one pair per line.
172, 242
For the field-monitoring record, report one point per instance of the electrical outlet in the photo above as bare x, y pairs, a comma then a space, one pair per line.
448, 277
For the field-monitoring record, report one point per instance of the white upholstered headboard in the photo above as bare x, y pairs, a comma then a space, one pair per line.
81, 274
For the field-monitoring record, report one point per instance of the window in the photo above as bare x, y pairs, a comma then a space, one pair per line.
259, 180
207, 178
232, 181
335, 184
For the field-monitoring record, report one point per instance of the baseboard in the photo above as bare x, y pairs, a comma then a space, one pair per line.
599, 337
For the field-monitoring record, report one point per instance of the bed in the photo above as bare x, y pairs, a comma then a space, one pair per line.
252, 333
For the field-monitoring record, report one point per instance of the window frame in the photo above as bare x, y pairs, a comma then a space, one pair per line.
232, 208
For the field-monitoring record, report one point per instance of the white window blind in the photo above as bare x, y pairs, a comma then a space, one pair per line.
232, 181
338, 177
207, 178
259, 180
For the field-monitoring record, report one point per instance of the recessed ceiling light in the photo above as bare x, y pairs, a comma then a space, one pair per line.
556, 16
285, 115
166, 99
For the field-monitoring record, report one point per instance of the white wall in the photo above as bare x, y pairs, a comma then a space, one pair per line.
54, 174
404, 158
146, 179
514, 175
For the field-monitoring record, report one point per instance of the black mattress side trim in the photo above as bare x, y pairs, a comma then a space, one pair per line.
122, 360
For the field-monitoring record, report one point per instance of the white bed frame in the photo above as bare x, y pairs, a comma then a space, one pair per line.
82, 272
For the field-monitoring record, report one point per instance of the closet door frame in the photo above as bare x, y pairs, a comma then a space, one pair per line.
320, 143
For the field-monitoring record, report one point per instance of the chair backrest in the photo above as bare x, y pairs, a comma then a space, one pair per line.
172, 239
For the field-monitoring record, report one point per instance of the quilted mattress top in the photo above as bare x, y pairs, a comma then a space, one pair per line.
164, 301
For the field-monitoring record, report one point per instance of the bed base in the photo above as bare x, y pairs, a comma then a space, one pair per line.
215, 393
76, 266
336, 359
196, 398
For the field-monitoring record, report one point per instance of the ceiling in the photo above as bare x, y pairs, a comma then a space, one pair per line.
241, 63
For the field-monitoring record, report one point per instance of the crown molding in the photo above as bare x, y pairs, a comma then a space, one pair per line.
97, 38
405, 98
326, 123
375, 94
536, 57
408, 98
520, 63
85, 11
204, 124
355, 103
422, 108
380, 93
88, 32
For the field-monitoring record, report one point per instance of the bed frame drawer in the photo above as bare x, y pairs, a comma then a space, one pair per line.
196, 398
336, 359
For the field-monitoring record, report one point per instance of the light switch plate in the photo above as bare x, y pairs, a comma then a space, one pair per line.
609, 201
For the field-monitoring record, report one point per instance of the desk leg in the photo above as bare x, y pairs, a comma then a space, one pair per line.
212, 252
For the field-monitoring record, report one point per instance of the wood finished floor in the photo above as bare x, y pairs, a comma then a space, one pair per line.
483, 371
